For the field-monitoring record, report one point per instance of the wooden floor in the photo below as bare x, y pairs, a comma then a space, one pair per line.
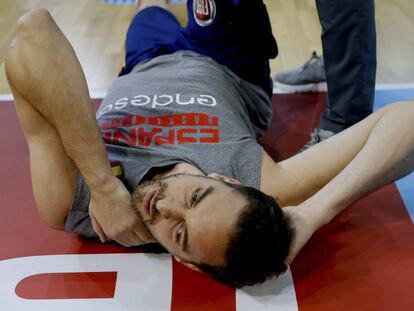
97, 33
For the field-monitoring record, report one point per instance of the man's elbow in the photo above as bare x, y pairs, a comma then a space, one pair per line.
405, 107
33, 21
402, 113
31, 31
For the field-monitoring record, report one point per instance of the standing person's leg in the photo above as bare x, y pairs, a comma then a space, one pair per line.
349, 47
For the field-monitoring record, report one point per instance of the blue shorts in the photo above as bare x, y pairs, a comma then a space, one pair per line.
240, 37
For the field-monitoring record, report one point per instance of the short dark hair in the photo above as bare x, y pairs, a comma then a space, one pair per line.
259, 244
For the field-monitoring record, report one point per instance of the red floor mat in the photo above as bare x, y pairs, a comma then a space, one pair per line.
363, 260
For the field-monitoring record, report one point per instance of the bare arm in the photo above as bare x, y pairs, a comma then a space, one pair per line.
43, 69
387, 153
48, 83
298, 178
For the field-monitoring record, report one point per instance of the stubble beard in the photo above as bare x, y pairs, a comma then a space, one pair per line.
139, 193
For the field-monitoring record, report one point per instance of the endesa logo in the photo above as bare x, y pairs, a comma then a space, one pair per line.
204, 12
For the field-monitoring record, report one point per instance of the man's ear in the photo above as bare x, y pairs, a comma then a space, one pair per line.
226, 179
188, 265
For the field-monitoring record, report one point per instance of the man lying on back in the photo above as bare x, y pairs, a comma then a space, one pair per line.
182, 127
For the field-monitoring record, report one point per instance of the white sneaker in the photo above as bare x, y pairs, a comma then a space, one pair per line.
317, 135
310, 77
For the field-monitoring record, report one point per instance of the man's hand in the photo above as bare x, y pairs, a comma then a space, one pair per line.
113, 218
305, 223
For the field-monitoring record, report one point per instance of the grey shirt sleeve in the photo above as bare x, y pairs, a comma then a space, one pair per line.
78, 220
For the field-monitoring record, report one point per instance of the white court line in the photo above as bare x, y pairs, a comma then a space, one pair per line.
94, 95
4, 97
98, 95
378, 87
277, 294
404, 86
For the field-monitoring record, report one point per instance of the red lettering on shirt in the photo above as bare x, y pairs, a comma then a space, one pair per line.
184, 128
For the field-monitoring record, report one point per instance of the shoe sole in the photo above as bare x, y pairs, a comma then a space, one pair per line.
300, 88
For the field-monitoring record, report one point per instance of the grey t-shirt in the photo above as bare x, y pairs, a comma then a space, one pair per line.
181, 107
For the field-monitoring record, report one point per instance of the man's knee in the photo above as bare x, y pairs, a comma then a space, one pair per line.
153, 3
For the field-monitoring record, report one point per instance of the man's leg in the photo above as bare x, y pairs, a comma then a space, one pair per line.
229, 39
349, 47
238, 35
154, 31
143, 4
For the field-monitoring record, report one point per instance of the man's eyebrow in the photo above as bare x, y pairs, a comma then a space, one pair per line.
202, 196
205, 193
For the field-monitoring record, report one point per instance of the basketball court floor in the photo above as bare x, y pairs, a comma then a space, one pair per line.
363, 260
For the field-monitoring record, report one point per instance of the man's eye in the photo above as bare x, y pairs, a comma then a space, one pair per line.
194, 198
179, 234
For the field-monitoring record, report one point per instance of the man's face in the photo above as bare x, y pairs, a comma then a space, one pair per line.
191, 216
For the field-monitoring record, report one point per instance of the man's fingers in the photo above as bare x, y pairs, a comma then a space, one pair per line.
98, 229
129, 241
144, 235
134, 239
290, 258
124, 243
127, 238
142, 232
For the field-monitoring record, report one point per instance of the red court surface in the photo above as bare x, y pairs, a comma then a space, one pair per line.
363, 260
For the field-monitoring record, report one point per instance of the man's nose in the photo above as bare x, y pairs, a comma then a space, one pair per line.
168, 208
